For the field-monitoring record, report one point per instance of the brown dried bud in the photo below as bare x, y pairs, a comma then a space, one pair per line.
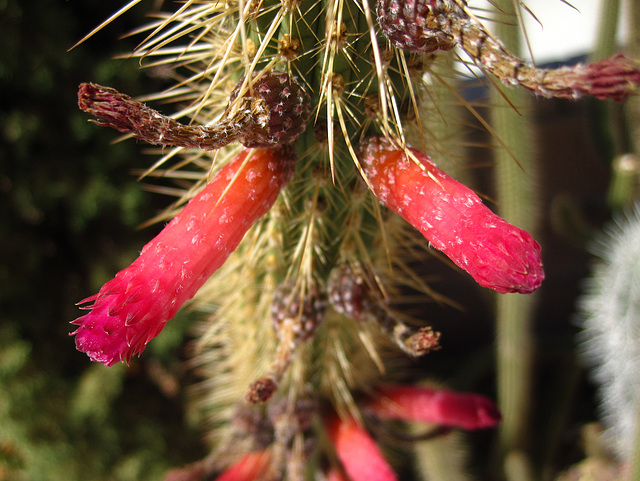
300, 314
612, 78
261, 390
433, 25
416, 25
273, 110
423, 341
349, 293
353, 293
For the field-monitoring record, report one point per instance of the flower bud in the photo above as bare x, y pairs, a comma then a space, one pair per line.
358, 452
452, 217
132, 308
435, 406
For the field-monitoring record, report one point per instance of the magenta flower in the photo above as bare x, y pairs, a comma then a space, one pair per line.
360, 455
249, 468
435, 406
335, 474
132, 308
358, 452
452, 217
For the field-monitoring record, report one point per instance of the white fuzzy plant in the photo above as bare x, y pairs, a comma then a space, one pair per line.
610, 317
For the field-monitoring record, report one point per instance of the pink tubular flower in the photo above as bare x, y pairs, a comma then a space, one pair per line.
358, 452
336, 475
249, 468
452, 217
132, 308
436, 406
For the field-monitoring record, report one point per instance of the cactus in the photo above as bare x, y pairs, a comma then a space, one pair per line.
611, 330
607, 309
301, 318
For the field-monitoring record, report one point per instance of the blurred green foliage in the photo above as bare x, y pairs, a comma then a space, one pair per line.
69, 210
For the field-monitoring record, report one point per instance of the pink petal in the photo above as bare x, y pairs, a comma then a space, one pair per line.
435, 406
360, 455
335, 474
248, 468
133, 307
452, 217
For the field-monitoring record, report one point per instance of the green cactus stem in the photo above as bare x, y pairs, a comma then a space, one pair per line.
516, 201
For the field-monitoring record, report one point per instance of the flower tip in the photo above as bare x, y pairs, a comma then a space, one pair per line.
248, 468
521, 283
359, 454
468, 411
452, 218
487, 413
90, 93
612, 78
83, 94
532, 283
87, 342
532, 278
508, 261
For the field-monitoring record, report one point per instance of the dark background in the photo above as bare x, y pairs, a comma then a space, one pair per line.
69, 215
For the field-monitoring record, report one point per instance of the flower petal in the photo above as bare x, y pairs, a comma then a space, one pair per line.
133, 307
360, 455
452, 217
250, 467
435, 406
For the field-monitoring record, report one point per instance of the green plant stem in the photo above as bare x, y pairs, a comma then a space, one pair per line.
607, 28
441, 122
622, 180
515, 187
442, 459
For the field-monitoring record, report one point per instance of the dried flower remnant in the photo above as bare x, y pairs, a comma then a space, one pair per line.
133, 307
353, 293
296, 316
273, 109
440, 25
452, 217
610, 78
